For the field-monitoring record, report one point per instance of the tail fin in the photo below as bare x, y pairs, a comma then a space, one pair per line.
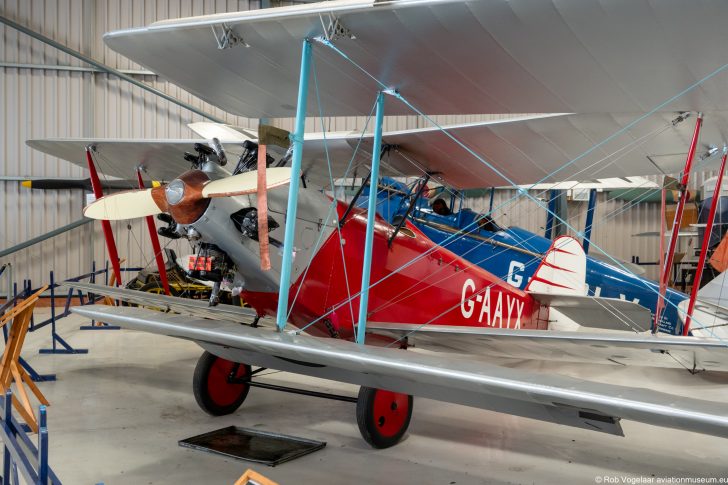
710, 316
560, 283
562, 271
716, 291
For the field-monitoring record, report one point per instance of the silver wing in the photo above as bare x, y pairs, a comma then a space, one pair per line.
449, 57
552, 398
471, 56
467, 381
526, 149
164, 303
621, 348
162, 160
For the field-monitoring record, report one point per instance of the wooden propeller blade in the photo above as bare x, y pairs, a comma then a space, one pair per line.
246, 183
262, 204
129, 204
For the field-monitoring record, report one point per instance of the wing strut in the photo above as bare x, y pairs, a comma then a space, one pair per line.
586, 240
666, 270
706, 243
371, 215
106, 225
155, 242
300, 128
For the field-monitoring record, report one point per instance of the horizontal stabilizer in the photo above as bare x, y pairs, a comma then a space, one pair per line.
602, 313
553, 398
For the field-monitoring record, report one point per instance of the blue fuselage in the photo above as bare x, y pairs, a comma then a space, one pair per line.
513, 254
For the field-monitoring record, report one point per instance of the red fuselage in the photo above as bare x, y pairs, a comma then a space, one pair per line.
413, 281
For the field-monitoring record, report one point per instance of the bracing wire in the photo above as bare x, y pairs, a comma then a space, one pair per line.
522, 192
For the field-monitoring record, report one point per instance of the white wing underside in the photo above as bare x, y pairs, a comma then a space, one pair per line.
449, 57
472, 57
462, 379
525, 149
553, 398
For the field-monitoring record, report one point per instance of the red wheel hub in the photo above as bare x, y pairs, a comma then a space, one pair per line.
221, 391
390, 412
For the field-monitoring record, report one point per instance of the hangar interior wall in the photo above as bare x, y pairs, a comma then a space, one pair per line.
38, 100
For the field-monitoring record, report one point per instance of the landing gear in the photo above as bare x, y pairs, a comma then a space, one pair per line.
383, 416
220, 385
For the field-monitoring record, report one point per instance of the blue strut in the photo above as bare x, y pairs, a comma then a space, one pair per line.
371, 213
290, 234
553, 196
589, 220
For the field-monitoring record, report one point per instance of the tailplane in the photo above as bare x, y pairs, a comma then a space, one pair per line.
559, 283
710, 315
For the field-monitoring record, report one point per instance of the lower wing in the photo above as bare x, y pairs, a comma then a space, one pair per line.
615, 347
552, 398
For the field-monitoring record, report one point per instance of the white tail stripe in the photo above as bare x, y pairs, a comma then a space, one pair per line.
562, 271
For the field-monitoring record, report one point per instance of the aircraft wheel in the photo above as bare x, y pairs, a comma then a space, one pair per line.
216, 384
383, 416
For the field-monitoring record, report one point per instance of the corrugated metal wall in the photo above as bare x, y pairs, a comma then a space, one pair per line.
38, 103
47, 103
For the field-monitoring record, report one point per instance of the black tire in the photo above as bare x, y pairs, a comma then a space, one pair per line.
381, 419
213, 392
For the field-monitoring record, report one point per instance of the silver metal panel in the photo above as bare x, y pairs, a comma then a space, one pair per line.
450, 57
622, 348
162, 160
525, 150
164, 303
551, 397
602, 313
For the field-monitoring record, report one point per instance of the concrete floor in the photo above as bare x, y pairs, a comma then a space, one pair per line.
118, 412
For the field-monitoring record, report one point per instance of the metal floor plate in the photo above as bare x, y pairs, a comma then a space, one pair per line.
253, 445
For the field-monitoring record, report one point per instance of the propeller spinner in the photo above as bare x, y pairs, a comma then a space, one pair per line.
185, 198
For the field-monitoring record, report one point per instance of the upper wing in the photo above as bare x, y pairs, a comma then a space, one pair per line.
161, 159
525, 149
449, 57
553, 398
605, 184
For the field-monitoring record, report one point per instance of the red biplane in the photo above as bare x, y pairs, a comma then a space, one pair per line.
344, 277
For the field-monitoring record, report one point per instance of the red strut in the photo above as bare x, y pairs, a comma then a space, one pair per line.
106, 225
155, 243
704, 247
665, 277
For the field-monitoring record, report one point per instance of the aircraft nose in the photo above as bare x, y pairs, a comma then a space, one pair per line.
174, 192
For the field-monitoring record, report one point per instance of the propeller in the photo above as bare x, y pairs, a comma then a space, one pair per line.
185, 198
85, 184
267, 135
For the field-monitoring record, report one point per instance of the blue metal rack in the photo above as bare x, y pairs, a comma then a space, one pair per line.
22, 457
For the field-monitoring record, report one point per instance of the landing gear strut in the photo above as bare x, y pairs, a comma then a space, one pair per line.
383, 416
220, 386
